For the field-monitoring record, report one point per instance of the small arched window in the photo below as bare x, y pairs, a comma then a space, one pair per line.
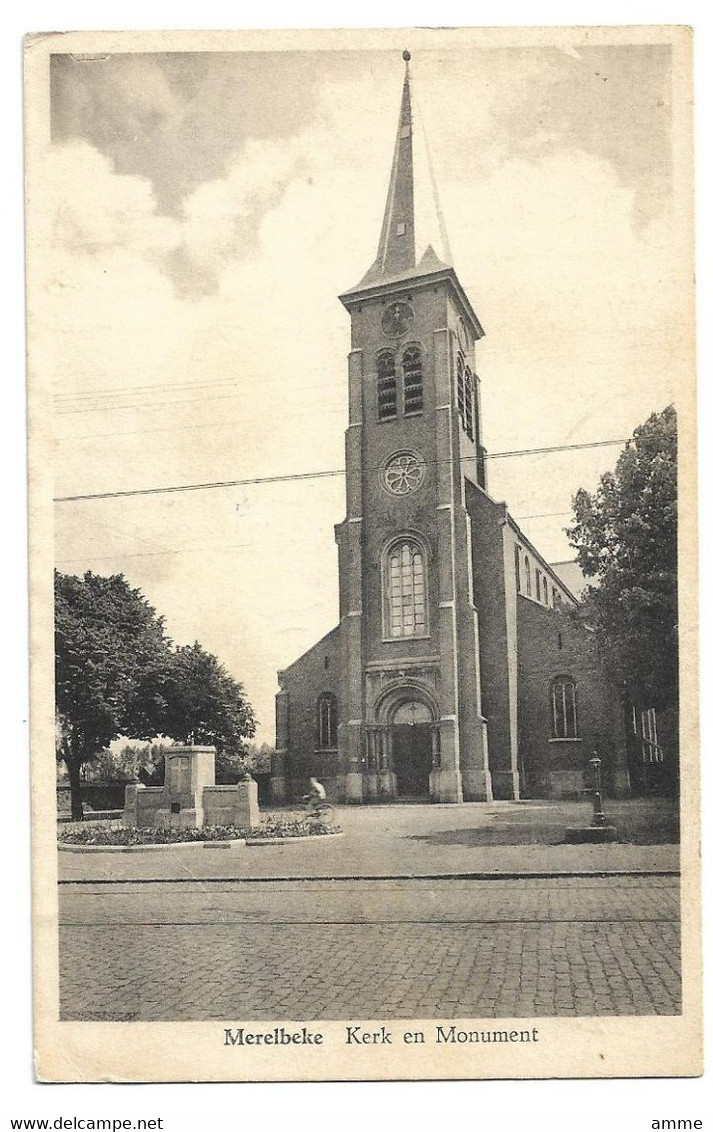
564, 708
528, 577
413, 381
404, 587
326, 721
386, 385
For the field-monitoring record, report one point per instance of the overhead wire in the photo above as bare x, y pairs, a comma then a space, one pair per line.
324, 474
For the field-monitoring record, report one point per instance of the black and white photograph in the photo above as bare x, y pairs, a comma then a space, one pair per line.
362, 493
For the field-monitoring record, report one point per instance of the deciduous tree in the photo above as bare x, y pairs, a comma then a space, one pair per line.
625, 534
111, 654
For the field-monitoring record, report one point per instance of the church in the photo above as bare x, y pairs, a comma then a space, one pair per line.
458, 670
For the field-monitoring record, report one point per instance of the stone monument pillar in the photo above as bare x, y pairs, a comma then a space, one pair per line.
188, 771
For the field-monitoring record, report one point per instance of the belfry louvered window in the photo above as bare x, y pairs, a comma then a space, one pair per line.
469, 399
405, 590
386, 385
413, 381
461, 388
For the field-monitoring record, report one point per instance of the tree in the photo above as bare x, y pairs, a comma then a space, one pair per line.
205, 704
111, 653
117, 673
625, 535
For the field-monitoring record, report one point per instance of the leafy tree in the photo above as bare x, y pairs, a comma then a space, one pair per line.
625, 535
206, 705
110, 653
117, 673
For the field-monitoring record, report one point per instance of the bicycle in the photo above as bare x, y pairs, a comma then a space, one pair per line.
318, 812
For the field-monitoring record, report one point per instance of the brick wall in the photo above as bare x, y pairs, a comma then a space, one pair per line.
551, 643
496, 665
316, 672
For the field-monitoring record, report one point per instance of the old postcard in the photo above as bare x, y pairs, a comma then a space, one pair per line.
362, 453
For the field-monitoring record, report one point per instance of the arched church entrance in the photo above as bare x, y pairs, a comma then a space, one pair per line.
404, 744
412, 749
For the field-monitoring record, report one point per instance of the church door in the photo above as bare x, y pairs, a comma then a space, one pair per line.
413, 759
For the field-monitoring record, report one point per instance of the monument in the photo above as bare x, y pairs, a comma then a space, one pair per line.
189, 797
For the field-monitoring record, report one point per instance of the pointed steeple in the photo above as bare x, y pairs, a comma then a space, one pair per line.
397, 244
397, 255
404, 255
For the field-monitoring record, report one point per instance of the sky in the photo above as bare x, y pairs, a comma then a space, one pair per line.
206, 211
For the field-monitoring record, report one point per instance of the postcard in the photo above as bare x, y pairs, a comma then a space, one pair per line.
363, 554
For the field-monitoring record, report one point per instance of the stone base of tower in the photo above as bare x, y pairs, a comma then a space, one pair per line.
506, 785
445, 786
477, 786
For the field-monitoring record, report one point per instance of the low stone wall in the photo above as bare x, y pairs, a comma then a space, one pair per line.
142, 805
231, 805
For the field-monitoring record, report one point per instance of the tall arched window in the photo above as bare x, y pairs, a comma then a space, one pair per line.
564, 708
386, 385
545, 594
326, 721
404, 585
518, 580
537, 585
468, 423
413, 381
528, 577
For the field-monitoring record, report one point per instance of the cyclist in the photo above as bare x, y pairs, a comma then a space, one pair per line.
316, 797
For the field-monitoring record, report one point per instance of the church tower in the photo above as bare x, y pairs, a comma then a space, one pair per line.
411, 722
457, 671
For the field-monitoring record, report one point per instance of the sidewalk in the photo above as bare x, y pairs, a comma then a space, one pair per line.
473, 839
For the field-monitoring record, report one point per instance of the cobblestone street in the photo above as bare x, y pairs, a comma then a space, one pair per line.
338, 949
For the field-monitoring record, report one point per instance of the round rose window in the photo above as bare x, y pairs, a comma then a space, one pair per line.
403, 473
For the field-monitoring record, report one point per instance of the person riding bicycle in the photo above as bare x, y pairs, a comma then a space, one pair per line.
316, 797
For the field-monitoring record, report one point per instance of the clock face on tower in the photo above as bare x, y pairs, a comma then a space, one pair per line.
396, 319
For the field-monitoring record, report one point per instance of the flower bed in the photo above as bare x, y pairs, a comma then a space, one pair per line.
276, 829
271, 829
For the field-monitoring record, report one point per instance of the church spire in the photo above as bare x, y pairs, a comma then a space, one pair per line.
397, 244
397, 256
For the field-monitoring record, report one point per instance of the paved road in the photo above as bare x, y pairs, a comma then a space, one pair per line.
369, 948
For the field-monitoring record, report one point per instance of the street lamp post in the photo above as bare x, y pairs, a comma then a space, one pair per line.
598, 818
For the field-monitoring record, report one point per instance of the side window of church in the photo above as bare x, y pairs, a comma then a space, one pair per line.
386, 385
564, 708
413, 381
404, 585
326, 721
